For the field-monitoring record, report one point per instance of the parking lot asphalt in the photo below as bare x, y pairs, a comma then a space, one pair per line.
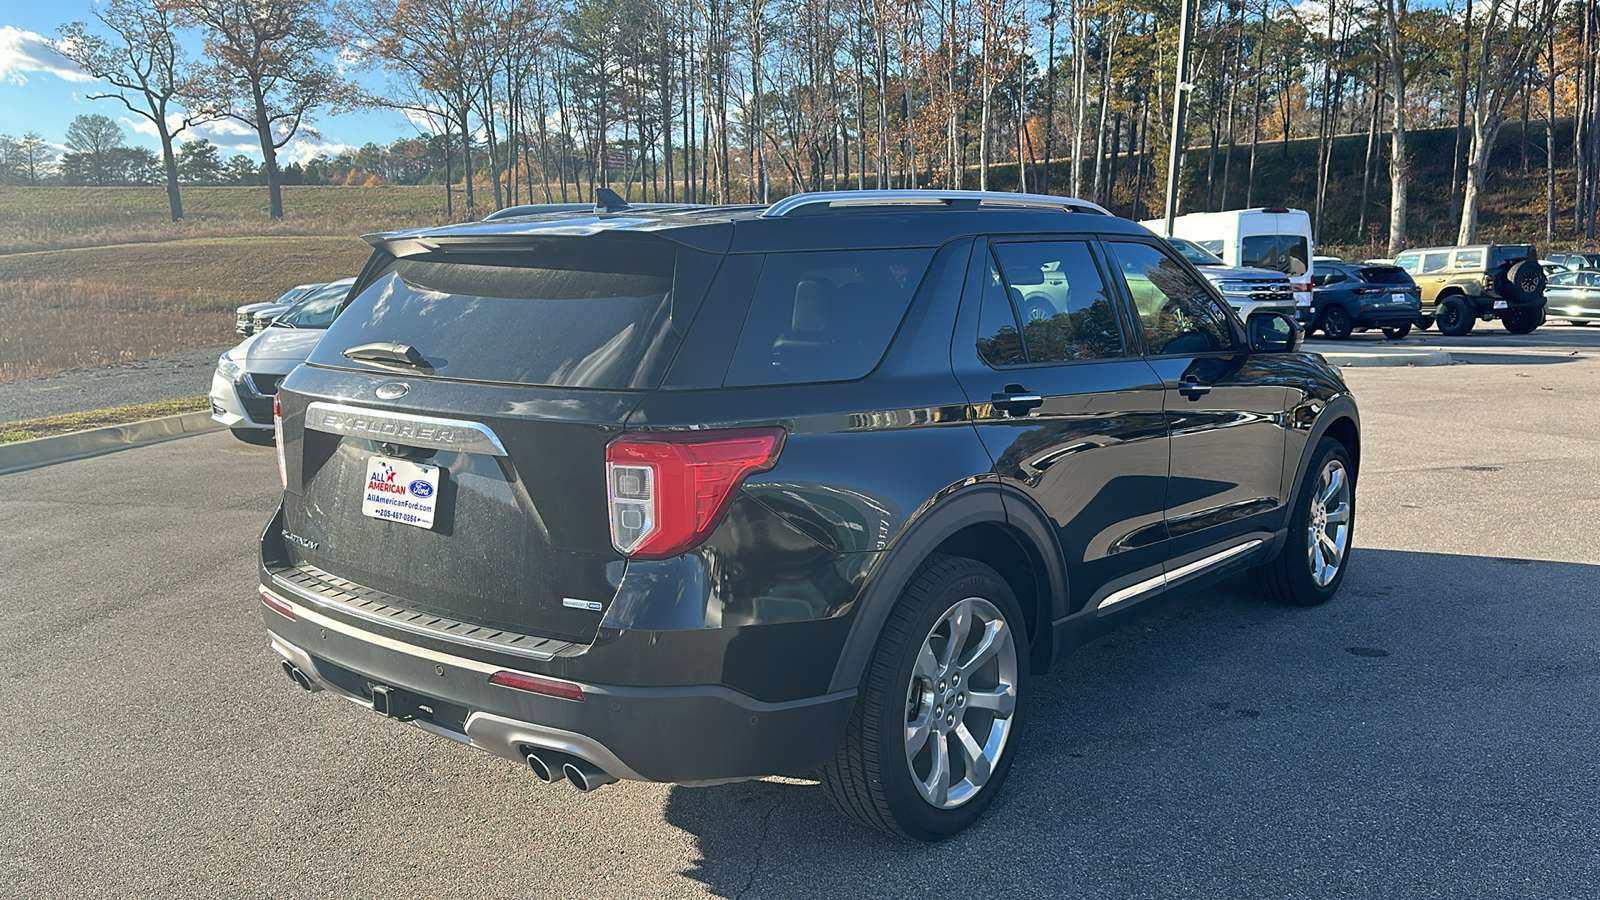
1431, 732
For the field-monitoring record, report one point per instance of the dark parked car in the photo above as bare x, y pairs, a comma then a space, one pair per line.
1351, 297
710, 493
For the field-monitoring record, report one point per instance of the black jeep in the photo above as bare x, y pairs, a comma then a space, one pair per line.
691, 494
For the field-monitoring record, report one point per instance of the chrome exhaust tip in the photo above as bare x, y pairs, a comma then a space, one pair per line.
586, 776
544, 770
300, 678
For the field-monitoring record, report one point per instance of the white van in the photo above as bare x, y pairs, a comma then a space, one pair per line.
1272, 237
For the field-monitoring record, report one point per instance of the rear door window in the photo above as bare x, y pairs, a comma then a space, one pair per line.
1061, 299
1435, 262
824, 316
1286, 253
583, 313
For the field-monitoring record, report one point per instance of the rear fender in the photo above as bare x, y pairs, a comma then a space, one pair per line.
984, 504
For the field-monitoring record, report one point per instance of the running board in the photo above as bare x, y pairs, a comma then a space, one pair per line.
1167, 579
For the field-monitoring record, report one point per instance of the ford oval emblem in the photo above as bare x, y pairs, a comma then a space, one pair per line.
392, 390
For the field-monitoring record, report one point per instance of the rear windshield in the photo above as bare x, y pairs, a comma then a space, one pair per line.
1501, 253
824, 316
1385, 275
1286, 253
565, 314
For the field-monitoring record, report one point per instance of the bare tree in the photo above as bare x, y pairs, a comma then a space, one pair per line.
1394, 48
265, 70
143, 61
1509, 42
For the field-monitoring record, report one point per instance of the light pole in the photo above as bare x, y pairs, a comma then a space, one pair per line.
1180, 104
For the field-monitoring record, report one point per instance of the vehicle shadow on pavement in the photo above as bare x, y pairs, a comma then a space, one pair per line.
1429, 730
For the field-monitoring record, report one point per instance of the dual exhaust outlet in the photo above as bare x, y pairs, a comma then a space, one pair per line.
550, 766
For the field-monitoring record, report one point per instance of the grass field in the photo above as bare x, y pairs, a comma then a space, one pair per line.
58, 218
93, 276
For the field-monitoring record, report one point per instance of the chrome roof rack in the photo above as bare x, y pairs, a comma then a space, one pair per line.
839, 199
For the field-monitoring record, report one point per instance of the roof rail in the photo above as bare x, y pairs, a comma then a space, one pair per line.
835, 199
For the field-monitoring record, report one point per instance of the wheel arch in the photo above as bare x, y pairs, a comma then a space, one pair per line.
1341, 421
973, 524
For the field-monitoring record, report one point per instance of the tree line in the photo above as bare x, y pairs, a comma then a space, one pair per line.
741, 100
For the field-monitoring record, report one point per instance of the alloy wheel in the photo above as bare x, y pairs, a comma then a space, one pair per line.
960, 702
1328, 529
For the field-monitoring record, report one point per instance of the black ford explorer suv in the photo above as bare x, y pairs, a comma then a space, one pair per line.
692, 494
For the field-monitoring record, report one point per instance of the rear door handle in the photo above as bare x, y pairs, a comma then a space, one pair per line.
1193, 389
1016, 400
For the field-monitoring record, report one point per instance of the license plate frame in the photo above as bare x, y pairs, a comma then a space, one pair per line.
402, 491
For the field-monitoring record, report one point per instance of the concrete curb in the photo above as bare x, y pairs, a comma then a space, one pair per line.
1342, 356
45, 451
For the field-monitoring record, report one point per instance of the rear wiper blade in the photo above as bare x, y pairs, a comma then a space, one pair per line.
386, 353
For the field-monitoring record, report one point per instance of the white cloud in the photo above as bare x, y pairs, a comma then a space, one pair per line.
26, 51
229, 134
303, 150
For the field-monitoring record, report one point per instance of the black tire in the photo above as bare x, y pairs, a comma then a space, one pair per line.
1336, 324
1288, 577
1424, 323
1522, 319
1524, 282
1396, 332
258, 436
870, 777
1455, 318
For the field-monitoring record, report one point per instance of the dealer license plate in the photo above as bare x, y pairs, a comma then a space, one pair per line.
400, 491
1399, 298
1500, 304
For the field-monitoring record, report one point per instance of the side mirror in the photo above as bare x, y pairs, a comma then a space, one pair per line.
1273, 332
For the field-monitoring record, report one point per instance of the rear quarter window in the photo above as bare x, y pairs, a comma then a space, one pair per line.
824, 316
1469, 259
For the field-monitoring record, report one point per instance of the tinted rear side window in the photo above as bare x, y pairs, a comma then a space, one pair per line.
596, 315
826, 316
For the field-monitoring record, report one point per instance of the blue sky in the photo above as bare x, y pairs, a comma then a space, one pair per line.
40, 91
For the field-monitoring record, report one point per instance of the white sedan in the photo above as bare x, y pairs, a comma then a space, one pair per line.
246, 380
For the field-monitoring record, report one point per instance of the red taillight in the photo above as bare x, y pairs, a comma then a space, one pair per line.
1300, 286
1370, 290
668, 491
538, 684
277, 438
277, 604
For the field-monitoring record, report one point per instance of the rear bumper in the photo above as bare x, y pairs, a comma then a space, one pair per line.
683, 734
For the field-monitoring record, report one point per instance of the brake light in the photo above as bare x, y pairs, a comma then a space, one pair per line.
1369, 290
668, 491
1300, 286
277, 438
538, 684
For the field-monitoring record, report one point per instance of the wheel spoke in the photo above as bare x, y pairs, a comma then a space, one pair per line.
927, 665
1002, 700
1335, 481
936, 787
917, 733
988, 645
1339, 515
1331, 549
978, 769
960, 619
1318, 562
